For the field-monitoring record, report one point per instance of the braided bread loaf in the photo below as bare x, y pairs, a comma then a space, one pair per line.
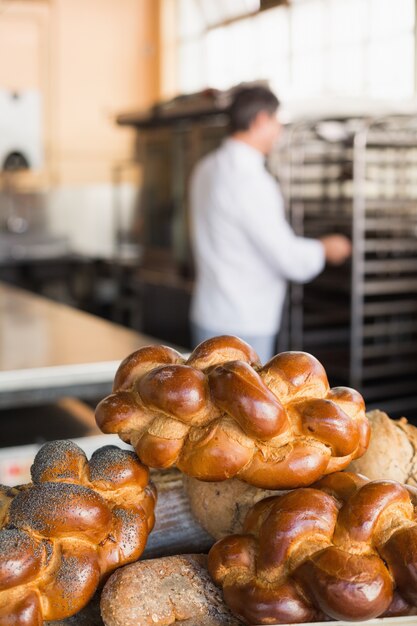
64, 532
345, 549
221, 414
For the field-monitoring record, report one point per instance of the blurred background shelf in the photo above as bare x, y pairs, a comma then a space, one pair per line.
359, 319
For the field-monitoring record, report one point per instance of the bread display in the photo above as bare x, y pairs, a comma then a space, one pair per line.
344, 549
63, 533
221, 414
392, 451
163, 592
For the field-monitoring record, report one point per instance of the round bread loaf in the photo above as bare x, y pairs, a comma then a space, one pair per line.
221, 507
165, 591
221, 414
392, 451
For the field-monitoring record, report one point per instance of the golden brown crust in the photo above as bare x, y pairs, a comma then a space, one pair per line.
345, 548
67, 530
220, 414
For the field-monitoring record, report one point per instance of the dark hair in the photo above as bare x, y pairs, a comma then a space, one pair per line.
246, 105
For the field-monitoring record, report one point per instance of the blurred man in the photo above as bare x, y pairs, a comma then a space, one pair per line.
244, 249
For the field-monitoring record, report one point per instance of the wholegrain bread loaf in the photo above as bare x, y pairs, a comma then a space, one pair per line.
221, 507
165, 591
392, 451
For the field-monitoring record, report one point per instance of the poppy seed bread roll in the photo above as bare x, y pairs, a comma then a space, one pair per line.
64, 533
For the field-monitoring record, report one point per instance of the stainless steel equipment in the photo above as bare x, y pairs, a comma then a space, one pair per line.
359, 177
24, 227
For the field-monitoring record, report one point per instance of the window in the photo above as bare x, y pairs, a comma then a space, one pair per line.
314, 48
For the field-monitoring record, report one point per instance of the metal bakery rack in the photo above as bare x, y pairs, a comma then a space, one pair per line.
358, 176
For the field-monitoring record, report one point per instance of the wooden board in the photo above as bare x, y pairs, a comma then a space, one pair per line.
176, 531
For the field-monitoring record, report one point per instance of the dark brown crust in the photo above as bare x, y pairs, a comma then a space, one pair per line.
343, 549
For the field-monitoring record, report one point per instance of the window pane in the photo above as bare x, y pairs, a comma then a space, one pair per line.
273, 45
217, 11
315, 47
308, 25
192, 70
252, 5
191, 22
242, 51
346, 74
236, 8
212, 11
391, 17
348, 21
307, 74
391, 68
273, 34
218, 62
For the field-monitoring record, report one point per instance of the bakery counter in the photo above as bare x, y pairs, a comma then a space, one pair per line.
48, 350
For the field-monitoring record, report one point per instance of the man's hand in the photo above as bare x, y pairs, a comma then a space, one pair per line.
337, 248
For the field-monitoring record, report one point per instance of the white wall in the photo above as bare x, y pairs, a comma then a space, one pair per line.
86, 214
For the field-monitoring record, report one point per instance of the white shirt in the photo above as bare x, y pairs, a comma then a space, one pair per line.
244, 249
